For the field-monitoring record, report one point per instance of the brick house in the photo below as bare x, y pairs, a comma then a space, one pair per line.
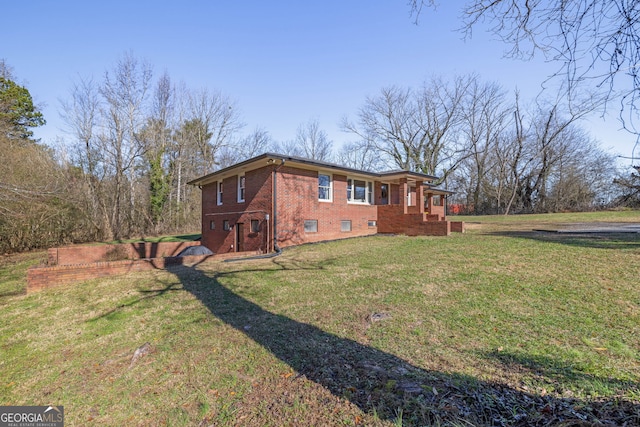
272, 201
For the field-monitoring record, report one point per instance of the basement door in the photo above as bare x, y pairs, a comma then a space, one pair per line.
239, 237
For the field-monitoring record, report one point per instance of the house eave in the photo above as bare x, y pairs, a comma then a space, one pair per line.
304, 163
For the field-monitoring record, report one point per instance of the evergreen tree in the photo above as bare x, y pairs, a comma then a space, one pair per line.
17, 112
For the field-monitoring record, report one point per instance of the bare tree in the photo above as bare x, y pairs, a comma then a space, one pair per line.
313, 142
485, 117
360, 155
82, 114
214, 119
514, 154
6, 70
257, 142
583, 176
553, 129
416, 130
289, 148
139, 141
541, 154
595, 42
630, 189
125, 92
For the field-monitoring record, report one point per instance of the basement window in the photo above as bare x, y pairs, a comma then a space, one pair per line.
345, 225
310, 225
372, 223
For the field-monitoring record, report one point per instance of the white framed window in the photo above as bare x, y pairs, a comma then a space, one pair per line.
241, 187
345, 225
219, 192
325, 193
359, 191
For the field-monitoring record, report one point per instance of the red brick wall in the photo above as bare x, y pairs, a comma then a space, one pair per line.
43, 277
416, 226
297, 200
256, 206
457, 226
84, 254
396, 197
393, 220
436, 210
414, 209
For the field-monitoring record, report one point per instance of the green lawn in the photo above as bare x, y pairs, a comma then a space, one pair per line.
497, 326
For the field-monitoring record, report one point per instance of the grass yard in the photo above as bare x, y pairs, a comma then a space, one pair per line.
498, 326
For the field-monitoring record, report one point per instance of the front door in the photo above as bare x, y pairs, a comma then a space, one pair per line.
384, 194
239, 237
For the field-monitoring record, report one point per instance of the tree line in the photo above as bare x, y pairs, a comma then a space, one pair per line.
134, 140
498, 155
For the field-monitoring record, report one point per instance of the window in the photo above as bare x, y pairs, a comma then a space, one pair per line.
345, 225
219, 197
359, 191
310, 225
212, 225
436, 200
255, 226
241, 185
372, 223
225, 225
324, 187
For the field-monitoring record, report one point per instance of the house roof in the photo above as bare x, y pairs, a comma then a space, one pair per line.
271, 158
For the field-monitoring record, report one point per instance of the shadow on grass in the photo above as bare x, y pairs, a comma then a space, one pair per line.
12, 293
557, 373
619, 241
381, 383
146, 294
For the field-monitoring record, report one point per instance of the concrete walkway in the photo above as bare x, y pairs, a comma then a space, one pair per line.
595, 227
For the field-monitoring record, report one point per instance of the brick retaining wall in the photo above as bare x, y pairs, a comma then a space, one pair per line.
84, 254
457, 226
43, 277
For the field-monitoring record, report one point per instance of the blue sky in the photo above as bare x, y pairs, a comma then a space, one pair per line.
283, 62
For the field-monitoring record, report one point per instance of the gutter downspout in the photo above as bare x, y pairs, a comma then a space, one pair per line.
275, 207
